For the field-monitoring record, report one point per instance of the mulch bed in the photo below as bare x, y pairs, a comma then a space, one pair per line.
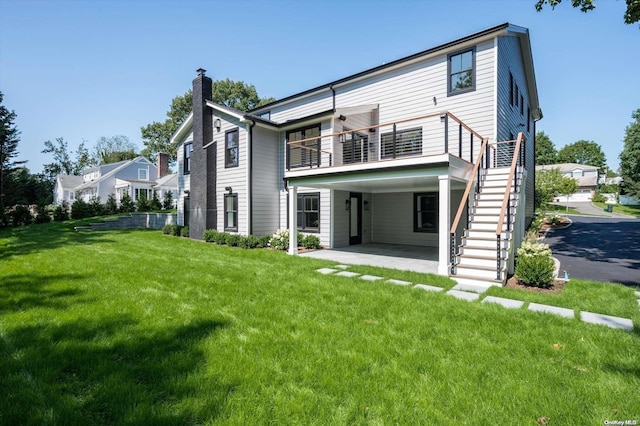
556, 286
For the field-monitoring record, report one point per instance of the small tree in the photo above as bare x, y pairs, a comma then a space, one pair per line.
167, 202
154, 203
567, 186
79, 209
61, 212
111, 206
95, 207
142, 205
126, 204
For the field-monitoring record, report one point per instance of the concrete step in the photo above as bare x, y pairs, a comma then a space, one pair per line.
472, 287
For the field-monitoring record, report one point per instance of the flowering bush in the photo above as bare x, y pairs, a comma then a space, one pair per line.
534, 266
280, 240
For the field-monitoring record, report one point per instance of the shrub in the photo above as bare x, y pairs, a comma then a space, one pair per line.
95, 208
42, 217
233, 240
263, 241
79, 209
209, 235
143, 205
177, 230
154, 203
310, 242
60, 212
280, 240
534, 266
111, 206
220, 238
126, 204
21, 216
555, 219
184, 232
167, 229
167, 202
249, 242
599, 198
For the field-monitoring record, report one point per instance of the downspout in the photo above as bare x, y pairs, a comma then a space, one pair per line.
333, 97
250, 183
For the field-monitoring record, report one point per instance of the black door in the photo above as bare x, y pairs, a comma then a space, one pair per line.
355, 218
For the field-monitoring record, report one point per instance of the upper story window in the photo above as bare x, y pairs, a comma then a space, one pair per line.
461, 72
406, 142
186, 166
142, 174
231, 148
298, 155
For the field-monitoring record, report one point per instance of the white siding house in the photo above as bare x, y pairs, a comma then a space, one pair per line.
586, 176
405, 153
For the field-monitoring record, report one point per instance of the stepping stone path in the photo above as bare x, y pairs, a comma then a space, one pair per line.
472, 292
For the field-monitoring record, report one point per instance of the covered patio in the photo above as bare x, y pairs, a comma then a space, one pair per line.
395, 256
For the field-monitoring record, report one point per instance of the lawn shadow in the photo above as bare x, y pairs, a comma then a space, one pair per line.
20, 292
107, 372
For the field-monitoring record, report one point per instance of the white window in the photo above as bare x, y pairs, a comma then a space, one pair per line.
142, 174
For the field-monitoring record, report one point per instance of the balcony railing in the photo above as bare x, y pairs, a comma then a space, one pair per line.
431, 134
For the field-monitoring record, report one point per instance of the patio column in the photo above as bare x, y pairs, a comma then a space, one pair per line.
444, 223
293, 219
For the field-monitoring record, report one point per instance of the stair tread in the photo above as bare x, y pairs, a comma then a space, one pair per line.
475, 278
479, 267
475, 256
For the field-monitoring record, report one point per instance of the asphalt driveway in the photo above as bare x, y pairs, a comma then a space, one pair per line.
599, 249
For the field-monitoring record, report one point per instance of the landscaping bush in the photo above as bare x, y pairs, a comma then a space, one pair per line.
143, 204
310, 242
599, 198
209, 235
21, 216
42, 217
177, 230
280, 240
126, 204
60, 213
95, 208
184, 232
111, 206
534, 266
167, 202
249, 242
233, 240
167, 229
154, 203
263, 241
79, 209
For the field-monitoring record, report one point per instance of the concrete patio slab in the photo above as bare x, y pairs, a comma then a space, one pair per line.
475, 288
395, 256
464, 295
370, 278
341, 266
428, 287
607, 320
398, 282
507, 303
326, 271
563, 312
347, 274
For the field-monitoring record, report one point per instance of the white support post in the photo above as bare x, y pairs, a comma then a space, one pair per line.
444, 223
293, 219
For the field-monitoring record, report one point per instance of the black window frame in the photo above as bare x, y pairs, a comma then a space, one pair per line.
399, 135
417, 212
186, 158
304, 152
450, 91
227, 149
234, 200
303, 213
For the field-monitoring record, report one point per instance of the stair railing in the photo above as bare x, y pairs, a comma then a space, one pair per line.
512, 182
475, 176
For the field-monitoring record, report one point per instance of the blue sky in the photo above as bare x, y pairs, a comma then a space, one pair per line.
86, 69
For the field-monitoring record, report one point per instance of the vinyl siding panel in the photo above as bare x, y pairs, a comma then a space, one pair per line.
340, 219
509, 119
266, 181
392, 221
313, 104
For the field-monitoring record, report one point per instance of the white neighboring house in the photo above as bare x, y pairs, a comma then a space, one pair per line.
585, 175
418, 151
165, 184
133, 177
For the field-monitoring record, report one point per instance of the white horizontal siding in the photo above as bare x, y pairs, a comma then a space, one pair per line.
392, 221
304, 107
266, 181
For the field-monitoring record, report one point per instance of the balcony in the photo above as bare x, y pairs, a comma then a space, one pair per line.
426, 139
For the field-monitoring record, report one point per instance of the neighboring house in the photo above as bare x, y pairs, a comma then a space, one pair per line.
165, 184
133, 177
386, 155
585, 175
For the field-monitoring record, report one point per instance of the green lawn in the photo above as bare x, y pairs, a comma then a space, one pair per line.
618, 208
133, 327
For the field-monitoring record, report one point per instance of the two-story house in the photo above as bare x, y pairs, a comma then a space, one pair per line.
585, 175
432, 150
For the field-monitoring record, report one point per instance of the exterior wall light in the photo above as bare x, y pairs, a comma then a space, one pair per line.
217, 124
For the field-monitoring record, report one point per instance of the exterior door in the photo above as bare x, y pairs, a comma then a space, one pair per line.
355, 218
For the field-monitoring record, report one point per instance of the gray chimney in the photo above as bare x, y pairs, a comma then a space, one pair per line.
202, 196
163, 164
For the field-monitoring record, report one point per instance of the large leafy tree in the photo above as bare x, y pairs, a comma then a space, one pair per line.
113, 149
630, 156
62, 163
583, 152
545, 150
631, 15
156, 136
9, 138
550, 184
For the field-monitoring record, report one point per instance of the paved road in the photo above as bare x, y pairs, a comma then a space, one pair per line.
599, 248
586, 207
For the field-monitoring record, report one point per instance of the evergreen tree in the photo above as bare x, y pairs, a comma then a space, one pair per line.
9, 138
630, 156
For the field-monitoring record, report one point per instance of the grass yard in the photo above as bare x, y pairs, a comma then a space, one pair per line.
133, 327
619, 208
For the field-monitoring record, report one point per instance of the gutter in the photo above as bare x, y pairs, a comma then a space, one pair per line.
250, 177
